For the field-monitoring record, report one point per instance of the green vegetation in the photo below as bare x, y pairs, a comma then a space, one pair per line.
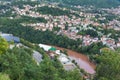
109, 66
20, 3
94, 48
3, 45
4, 7
114, 33
37, 36
24, 19
7, 11
90, 32
96, 3
4, 77
52, 11
110, 17
56, 28
27, 19
47, 37
18, 64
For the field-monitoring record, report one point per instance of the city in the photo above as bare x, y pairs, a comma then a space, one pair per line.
59, 40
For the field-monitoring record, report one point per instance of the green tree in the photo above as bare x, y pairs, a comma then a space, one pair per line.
74, 75
102, 78
4, 77
109, 67
3, 45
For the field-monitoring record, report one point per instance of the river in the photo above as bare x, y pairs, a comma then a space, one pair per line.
82, 60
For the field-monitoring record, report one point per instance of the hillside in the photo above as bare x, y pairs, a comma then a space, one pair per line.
96, 3
30, 31
22, 61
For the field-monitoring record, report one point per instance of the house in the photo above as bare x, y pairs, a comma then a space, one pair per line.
52, 52
52, 49
58, 52
45, 47
66, 62
63, 60
16, 39
118, 44
69, 66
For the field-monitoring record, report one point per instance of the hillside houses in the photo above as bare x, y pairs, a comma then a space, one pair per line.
53, 21
71, 25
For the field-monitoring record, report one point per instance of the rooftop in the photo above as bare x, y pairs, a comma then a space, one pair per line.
52, 49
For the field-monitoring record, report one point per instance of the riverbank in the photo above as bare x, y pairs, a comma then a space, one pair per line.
82, 60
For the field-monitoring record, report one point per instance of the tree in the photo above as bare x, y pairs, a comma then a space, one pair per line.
4, 77
109, 67
18, 63
56, 28
3, 45
102, 78
65, 52
74, 75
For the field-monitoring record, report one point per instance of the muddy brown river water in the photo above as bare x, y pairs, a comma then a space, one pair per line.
82, 60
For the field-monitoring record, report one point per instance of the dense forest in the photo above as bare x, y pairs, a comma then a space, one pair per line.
52, 11
18, 64
27, 19
109, 67
96, 3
